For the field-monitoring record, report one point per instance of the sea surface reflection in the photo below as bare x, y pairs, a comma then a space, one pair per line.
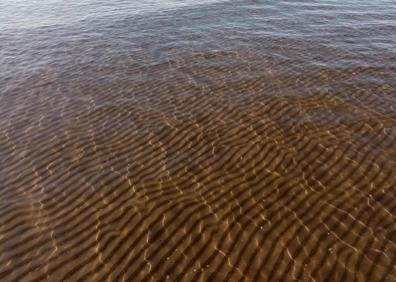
197, 140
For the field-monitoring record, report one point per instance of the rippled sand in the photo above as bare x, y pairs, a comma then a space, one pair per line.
238, 141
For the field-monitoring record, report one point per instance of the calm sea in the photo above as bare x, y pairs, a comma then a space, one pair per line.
197, 140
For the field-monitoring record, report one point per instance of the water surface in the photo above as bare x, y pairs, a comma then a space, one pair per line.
198, 140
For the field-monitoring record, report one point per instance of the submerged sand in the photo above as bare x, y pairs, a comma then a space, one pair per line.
265, 158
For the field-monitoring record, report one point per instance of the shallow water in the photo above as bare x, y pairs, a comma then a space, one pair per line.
198, 140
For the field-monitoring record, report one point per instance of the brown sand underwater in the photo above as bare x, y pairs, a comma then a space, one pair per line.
233, 141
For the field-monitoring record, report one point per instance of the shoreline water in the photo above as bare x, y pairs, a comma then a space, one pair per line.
233, 141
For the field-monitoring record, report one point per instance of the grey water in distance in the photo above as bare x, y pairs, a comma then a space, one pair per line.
197, 140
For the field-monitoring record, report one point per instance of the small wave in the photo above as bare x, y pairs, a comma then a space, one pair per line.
34, 14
